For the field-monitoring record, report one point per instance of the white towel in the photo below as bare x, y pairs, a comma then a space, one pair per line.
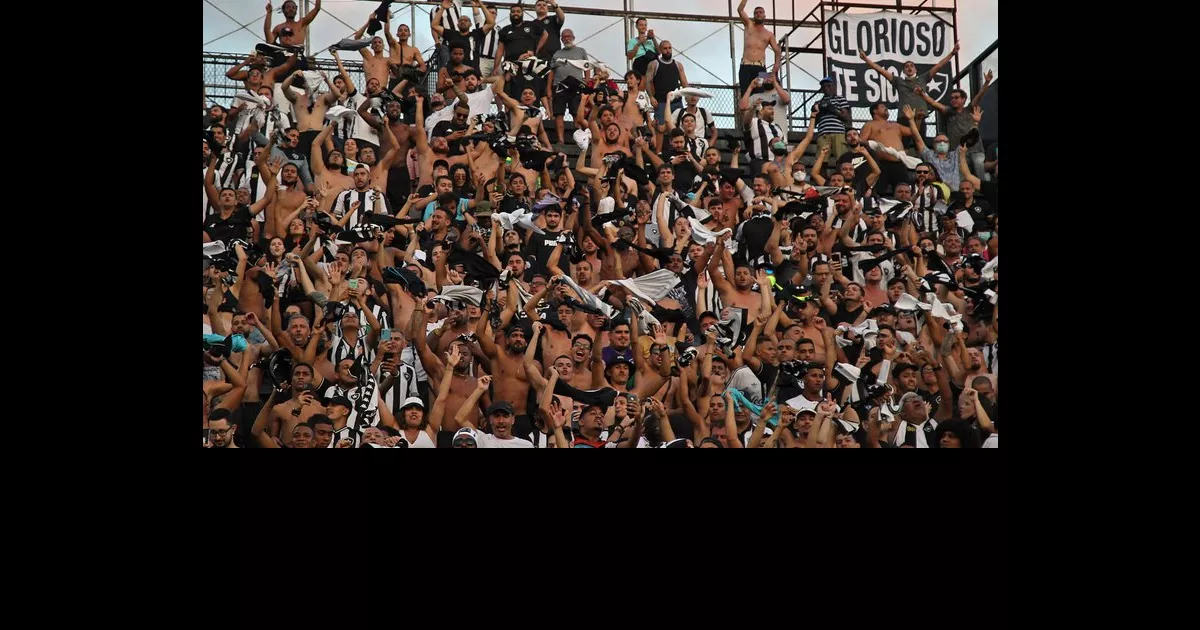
964, 220
704, 236
214, 248
651, 287
908, 160
337, 111
521, 218
989, 270
687, 91
910, 303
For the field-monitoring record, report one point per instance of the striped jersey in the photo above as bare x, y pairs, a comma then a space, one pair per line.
366, 203
761, 133
828, 120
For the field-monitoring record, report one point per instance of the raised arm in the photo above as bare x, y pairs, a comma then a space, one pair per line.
742, 14
311, 15
532, 369
257, 431
987, 83
267, 35
912, 126
964, 169
876, 67
471, 406
942, 64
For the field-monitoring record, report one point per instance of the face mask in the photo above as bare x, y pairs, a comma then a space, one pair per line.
986, 236
779, 148
942, 147
799, 177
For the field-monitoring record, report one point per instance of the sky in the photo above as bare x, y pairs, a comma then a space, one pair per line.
704, 45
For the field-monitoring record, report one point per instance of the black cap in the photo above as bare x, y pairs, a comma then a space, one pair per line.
619, 359
340, 400
883, 308
500, 406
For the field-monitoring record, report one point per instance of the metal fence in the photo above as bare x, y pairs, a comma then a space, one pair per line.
722, 105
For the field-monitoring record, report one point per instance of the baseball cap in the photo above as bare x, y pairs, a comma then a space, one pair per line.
437, 98
619, 359
500, 406
827, 80
340, 400
464, 434
412, 401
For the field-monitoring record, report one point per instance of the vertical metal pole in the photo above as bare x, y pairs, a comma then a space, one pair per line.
307, 34
732, 54
957, 63
625, 19
412, 23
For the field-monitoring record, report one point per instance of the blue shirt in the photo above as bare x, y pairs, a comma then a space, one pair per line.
463, 204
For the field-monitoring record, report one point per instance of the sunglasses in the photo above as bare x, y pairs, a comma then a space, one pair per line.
922, 172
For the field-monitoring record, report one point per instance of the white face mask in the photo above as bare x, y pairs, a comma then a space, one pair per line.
942, 147
799, 177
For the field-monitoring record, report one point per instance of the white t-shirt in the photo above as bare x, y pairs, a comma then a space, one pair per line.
422, 441
993, 441
487, 440
359, 129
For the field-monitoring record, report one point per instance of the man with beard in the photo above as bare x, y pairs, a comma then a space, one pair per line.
331, 174
664, 75
309, 109
508, 366
501, 416
231, 220
765, 138
540, 246
754, 46
455, 37
221, 429
291, 32
571, 368
456, 68
455, 375
430, 151
565, 98
359, 199
519, 41
391, 173
551, 24
739, 294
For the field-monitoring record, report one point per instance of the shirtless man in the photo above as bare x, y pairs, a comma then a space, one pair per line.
566, 366
398, 137
401, 54
288, 198
429, 152
889, 134
636, 105
754, 46
738, 294
375, 63
445, 82
457, 368
309, 110
254, 76
329, 175
302, 406
508, 367
291, 32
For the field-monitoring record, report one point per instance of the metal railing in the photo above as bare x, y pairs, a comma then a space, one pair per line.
722, 105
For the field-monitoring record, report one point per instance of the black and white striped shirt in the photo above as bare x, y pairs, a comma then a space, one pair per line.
485, 47
366, 203
228, 164
703, 119
761, 133
449, 17
354, 393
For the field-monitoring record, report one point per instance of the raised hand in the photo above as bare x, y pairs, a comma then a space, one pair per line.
484, 383
271, 270
908, 112
768, 410
452, 358
988, 77
660, 334
274, 164
345, 443
976, 114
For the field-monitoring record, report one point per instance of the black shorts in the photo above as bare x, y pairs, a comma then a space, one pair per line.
566, 102
445, 439
304, 145
399, 185
747, 75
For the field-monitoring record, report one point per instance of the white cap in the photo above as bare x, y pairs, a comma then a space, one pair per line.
413, 400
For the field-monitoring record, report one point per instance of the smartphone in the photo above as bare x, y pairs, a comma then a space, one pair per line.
765, 76
385, 334
836, 256
206, 436
353, 282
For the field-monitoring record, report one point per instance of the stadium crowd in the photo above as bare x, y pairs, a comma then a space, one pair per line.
416, 263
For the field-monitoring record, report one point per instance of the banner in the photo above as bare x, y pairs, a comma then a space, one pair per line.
889, 39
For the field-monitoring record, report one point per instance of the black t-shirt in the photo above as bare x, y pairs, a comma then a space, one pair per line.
685, 173
452, 37
551, 25
510, 203
981, 213
447, 127
934, 400
236, 226
860, 173
767, 375
519, 39
844, 316
753, 234
540, 246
